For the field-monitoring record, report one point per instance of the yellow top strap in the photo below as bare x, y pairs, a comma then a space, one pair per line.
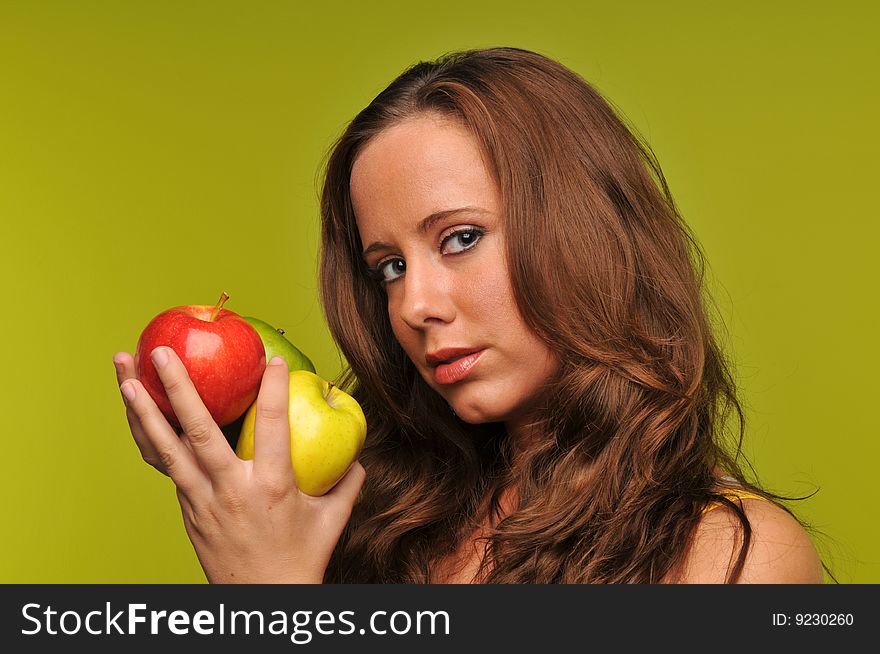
734, 494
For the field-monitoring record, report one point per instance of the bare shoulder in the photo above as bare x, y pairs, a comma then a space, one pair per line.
781, 551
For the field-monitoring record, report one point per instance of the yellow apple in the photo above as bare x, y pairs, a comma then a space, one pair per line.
327, 432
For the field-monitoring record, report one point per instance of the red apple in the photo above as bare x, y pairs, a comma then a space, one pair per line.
221, 351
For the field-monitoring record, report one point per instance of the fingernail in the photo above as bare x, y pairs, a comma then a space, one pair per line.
277, 361
128, 392
159, 357
118, 366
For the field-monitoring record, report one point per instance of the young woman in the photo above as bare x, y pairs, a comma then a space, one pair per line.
522, 311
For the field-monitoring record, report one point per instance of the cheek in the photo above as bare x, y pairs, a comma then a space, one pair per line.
490, 301
523, 350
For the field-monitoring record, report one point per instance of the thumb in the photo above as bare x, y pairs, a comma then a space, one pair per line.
345, 492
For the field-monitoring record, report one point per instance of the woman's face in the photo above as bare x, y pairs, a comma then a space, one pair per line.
428, 212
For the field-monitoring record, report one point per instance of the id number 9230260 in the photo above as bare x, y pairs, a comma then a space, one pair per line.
823, 619
813, 620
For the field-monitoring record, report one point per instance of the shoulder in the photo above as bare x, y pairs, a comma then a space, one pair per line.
780, 552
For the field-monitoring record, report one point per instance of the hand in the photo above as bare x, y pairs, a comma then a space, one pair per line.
247, 520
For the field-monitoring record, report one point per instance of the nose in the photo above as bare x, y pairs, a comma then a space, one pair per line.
427, 296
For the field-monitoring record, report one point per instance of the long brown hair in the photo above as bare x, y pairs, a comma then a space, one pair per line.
607, 273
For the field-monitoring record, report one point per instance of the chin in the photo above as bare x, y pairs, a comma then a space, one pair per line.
476, 412
473, 417
474, 403
497, 403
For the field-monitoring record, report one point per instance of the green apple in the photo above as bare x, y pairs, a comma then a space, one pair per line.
327, 432
277, 344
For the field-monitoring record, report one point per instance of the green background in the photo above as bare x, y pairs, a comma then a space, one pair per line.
154, 154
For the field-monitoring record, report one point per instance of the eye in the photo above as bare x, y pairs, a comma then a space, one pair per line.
388, 270
461, 240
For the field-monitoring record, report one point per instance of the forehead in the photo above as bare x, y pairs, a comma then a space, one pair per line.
417, 167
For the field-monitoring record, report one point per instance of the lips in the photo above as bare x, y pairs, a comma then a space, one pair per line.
453, 364
448, 355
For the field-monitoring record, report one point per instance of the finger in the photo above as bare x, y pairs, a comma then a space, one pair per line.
125, 370
178, 462
148, 452
208, 442
345, 492
272, 424
124, 364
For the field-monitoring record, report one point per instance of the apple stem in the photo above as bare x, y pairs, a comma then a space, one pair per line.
330, 386
223, 297
280, 331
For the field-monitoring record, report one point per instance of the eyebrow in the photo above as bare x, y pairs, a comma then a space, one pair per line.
426, 224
